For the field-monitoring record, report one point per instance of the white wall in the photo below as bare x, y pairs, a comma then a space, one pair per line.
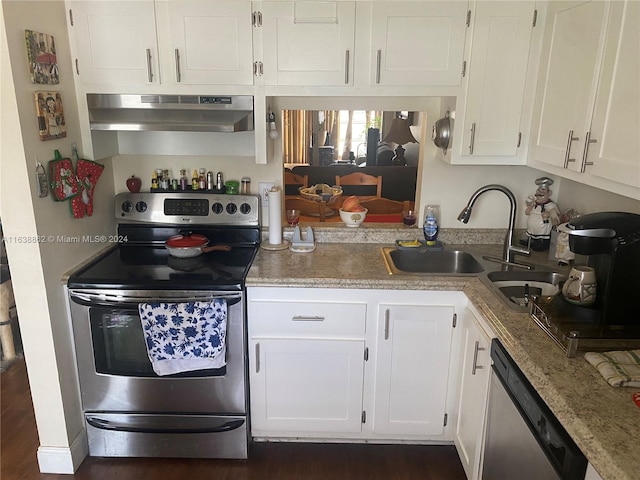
37, 268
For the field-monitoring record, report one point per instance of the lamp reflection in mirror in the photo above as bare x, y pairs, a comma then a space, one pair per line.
401, 134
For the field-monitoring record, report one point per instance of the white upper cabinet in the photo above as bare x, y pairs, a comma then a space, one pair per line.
143, 42
615, 151
308, 43
115, 42
569, 68
417, 43
497, 76
211, 42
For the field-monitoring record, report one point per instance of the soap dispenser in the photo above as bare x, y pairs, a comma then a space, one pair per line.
430, 228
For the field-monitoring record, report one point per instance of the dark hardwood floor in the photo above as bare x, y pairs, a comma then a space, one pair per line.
268, 461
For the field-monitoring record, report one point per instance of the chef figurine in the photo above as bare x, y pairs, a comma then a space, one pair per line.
543, 215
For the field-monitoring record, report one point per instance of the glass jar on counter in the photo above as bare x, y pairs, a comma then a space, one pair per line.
245, 186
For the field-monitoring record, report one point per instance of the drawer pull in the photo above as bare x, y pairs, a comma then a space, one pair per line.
302, 318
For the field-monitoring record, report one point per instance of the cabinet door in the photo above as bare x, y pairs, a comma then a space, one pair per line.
413, 347
306, 386
615, 153
474, 385
115, 42
571, 56
211, 42
497, 74
308, 43
417, 43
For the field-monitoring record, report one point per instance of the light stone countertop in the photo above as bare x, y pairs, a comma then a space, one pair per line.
603, 421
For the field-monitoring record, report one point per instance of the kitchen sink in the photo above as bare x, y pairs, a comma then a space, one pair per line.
515, 286
445, 262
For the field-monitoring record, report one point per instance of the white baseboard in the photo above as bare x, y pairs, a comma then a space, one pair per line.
64, 460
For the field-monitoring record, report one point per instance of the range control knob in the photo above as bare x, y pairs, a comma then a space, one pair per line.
141, 206
231, 208
127, 206
245, 208
217, 208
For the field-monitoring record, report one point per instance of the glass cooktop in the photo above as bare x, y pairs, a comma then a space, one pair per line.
152, 268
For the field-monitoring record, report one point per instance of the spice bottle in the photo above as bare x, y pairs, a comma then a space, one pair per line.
219, 181
210, 184
194, 180
202, 180
183, 180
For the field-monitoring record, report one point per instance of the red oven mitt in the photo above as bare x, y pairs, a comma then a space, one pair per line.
64, 184
88, 173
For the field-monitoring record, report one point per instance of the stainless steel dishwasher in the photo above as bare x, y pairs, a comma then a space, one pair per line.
524, 440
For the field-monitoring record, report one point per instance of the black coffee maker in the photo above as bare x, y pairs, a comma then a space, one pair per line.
612, 242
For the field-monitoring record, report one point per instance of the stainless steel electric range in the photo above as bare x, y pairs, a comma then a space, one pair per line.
129, 409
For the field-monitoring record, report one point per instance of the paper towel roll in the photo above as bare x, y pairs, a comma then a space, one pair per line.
275, 216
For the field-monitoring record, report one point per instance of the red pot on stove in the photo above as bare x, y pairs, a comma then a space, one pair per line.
191, 245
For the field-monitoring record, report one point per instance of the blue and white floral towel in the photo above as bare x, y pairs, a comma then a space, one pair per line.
619, 368
183, 337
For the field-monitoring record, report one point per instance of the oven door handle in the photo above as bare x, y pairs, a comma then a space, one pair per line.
110, 299
104, 424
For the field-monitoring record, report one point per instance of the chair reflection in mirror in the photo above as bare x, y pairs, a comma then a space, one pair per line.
386, 206
357, 180
293, 183
315, 211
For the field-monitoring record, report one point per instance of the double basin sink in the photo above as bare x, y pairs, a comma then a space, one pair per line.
514, 286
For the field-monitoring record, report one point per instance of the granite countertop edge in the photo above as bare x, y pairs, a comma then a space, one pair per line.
591, 411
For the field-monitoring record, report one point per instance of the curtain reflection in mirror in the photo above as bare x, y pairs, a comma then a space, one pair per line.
325, 137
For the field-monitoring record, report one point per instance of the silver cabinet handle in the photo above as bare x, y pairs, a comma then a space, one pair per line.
378, 65
567, 152
149, 71
77, 68
346, 67
585, 154
386, 324
178, 73
257, 358
473, 138
475, 358
302, 318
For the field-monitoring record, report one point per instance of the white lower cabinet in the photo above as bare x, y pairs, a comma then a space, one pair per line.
414, 342
343, 364
473, 382
307, 385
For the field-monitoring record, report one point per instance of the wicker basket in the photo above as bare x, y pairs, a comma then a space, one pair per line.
320, 192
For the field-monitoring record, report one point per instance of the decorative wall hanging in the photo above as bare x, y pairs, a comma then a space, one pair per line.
43, 64
51, 122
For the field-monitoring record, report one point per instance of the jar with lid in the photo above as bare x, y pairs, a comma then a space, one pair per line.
202, 180
245, 186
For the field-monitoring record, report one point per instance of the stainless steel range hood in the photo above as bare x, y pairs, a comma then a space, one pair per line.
181, 113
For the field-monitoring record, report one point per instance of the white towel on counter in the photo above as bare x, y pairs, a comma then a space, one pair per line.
619, 368
182, 337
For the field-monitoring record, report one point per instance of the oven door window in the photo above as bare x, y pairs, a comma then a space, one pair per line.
119, 347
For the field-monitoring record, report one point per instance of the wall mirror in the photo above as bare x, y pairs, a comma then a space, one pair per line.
320, 147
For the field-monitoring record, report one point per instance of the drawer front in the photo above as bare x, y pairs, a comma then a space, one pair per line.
267, 317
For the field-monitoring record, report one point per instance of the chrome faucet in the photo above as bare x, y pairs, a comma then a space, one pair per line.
509, 250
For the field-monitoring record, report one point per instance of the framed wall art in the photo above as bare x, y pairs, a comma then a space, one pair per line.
43, 62
51, 123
